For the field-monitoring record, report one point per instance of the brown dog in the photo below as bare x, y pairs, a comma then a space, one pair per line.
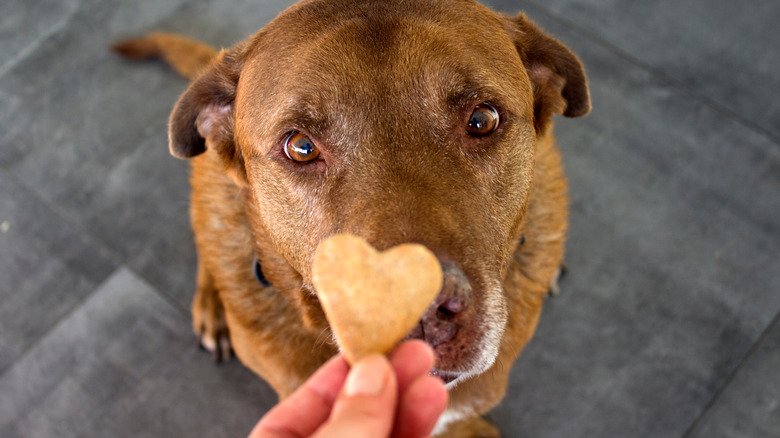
405, 121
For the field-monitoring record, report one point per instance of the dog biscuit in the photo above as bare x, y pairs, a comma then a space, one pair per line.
373, 299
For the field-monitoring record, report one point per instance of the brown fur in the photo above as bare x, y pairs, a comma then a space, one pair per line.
383, 88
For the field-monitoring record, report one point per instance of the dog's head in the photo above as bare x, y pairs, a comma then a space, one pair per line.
403, 121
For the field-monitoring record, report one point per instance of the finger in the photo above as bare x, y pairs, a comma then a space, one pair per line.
315, 398
411, 360
366, 405
420, 407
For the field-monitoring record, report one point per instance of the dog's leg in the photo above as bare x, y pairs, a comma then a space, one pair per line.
208, 317
472, 427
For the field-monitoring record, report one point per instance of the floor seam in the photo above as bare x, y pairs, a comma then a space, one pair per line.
76, 308
731, 376
31, 47
55, 326
158, 290
111, 256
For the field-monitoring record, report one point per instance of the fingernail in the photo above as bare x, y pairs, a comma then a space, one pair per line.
367, 377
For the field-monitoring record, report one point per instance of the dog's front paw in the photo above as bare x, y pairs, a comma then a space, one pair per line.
208, 322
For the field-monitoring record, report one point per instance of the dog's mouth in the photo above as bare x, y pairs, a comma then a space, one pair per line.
464, 333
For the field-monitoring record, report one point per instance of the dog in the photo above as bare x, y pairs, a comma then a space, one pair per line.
426, 121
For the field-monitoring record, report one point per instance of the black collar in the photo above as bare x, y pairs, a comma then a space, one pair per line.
259, 274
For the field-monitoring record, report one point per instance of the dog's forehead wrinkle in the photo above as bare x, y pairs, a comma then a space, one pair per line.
354, 99
388, 50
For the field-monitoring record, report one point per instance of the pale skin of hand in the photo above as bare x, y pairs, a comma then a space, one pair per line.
379, 397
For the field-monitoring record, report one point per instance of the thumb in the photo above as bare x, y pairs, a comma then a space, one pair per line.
367, 403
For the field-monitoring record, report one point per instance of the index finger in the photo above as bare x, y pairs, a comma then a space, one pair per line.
411, 360
315, 398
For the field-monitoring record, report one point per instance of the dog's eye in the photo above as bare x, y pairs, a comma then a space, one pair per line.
483, 121
300, 148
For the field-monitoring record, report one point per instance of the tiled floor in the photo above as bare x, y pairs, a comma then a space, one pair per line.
668, 324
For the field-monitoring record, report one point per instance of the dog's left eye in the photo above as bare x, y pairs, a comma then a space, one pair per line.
483, 121
299, 148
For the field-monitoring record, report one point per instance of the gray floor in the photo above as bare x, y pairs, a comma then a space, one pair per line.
668, 322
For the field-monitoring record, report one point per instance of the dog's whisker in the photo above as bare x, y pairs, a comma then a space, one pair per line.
322, 338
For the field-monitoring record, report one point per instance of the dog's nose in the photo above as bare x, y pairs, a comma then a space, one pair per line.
441, 321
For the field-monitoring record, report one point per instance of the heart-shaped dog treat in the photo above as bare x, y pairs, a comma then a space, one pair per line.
373, 299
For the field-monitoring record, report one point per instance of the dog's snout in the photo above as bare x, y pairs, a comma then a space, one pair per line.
442, 320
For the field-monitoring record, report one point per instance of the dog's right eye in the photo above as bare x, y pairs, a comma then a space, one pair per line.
299, 148
483, 121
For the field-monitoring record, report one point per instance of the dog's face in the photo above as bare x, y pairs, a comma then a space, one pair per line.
398, 122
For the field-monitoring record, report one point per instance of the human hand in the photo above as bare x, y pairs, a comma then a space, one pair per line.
376, 398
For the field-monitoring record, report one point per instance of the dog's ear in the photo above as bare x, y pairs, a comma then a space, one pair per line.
557, 76
203, 116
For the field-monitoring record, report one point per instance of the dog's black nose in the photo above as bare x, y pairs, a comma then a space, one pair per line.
441, 321
455, 295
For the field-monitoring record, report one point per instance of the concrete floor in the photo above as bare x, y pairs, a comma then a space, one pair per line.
668, 322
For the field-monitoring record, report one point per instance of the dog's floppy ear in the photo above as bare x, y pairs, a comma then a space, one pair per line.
203, 116
558, 78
